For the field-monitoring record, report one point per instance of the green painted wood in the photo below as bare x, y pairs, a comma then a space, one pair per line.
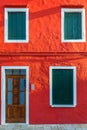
72, 25
16, 25
62, 87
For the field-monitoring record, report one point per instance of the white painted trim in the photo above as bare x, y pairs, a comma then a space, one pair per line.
74, 84
82, 11
3, 93
6, 24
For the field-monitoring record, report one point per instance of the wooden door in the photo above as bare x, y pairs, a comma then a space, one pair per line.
15, 99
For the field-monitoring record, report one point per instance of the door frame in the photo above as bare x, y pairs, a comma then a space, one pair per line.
3, 93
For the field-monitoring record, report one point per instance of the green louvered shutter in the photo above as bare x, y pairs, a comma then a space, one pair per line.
62, 87
16, 25
72, 25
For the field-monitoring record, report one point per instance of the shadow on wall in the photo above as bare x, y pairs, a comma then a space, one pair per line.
43, 13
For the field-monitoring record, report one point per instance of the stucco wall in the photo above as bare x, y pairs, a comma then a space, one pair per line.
44, 26
40, 111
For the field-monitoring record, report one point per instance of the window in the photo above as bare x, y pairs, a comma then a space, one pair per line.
16, 25
73, 25
62, 86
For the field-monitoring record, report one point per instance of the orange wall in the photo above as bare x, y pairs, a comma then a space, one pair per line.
45, 26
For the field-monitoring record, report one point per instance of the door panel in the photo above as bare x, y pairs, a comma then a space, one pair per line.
15, 114
15, 98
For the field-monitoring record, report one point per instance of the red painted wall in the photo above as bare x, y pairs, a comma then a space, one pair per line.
40, 112
45, 36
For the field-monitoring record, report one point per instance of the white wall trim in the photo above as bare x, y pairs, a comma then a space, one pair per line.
74, 84
6, 24
3, 93
82, 11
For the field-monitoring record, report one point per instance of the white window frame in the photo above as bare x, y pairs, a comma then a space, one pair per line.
26, 10
74, 85
82, 11
3, 94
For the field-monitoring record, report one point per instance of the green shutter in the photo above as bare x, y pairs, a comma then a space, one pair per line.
16, 25
72, 25
62, 87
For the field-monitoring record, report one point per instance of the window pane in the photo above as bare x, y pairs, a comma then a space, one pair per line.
22, 84
72, 25
8, 71
10, 84
16, 71
21, 97
9, 98
16, 25
23, 71
62, 86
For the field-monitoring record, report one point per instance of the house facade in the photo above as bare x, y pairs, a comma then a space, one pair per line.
43, 62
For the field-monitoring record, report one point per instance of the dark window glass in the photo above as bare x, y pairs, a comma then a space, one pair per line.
62, 87
17, 25
72, 25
